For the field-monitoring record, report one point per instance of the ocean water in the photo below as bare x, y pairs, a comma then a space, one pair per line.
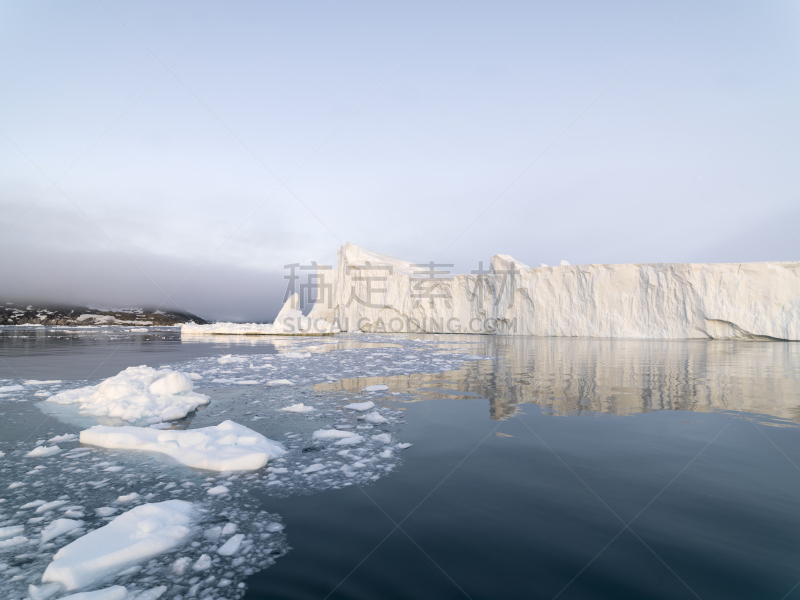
538, 468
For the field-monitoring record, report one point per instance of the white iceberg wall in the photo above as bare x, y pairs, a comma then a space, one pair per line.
371, 292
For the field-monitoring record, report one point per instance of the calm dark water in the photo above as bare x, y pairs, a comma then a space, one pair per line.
564, 469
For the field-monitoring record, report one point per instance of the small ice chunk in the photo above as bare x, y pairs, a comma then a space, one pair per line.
313, 468
105, 511
333, 434
151, 594
298, 408
383, 438
131, 538
349, 441
274, 382
59, 527
376, 388
403, 446
115, 592
128, 498
14, 541
376, 417
12, 530
32, 504
50, 505
231, 547
203, 563
218, 490
67, 437
180, 566
228, 359
361, 406
43, 451
229, 529
274, 527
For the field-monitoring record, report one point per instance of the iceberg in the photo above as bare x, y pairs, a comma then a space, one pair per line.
374, 293
224, 447
136, 393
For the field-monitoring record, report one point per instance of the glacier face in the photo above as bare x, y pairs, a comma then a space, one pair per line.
376, 293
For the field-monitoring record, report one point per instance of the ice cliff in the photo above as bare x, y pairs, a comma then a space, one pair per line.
372, 292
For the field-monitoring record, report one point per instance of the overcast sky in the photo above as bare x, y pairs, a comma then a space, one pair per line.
184, 152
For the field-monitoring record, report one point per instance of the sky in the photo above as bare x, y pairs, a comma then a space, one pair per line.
181, 154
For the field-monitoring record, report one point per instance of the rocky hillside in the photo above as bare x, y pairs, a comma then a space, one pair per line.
18, 314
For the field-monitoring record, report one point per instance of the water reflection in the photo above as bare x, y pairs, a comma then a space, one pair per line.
571, 375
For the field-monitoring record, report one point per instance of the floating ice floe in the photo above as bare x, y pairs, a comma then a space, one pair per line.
375, 418
131, 538
137, 393
43, 451
361, 406
224, 447
376, 388
59, 527
115, 592
298, 408
343, 437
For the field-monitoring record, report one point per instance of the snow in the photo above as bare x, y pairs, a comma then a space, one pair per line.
298, 408
361, 406
224, 447
43, 451
653, 301
131, 538
137, 393
59, 527
290, 321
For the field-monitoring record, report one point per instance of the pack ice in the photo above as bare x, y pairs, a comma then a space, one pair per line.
137, 393
131, 538
224, 447
375, 293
